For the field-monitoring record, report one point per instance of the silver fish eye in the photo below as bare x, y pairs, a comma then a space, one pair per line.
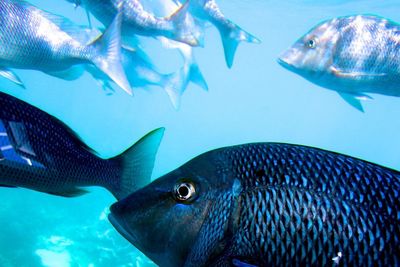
311, 43
184, 191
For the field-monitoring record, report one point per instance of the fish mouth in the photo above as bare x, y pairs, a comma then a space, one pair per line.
286, 64
120, 225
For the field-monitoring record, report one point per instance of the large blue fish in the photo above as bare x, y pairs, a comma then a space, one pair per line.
267, 204
353, 55
39, 152
34, 39
136, 20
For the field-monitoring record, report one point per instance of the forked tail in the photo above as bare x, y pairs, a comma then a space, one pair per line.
136, 164
185, 29
108, 56
231, 37
176, 83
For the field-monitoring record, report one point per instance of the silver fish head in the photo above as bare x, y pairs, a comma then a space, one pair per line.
164, 218
311, 55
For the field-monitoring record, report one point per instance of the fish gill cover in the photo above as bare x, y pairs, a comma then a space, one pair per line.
254, 100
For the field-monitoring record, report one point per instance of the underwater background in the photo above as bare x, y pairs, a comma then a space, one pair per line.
256, 100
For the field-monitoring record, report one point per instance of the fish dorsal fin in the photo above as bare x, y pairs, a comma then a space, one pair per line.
75, 137
85, 35
355, 99
66, 25
136, 164
79, 141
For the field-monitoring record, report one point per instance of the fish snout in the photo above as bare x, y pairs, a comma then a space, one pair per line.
283, 62
117, 220
284, 58
288, 59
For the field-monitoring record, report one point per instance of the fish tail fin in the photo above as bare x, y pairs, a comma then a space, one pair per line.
196, 76
108, 58
176, 83
136, 164
185, 29
231, 38
191, 68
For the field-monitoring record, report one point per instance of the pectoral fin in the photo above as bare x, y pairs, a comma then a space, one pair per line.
355, 99
346, 74
10, 75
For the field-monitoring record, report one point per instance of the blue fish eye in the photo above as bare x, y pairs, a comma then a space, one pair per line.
311, 43
184, 191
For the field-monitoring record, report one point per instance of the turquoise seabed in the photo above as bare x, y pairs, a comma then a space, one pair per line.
256, 100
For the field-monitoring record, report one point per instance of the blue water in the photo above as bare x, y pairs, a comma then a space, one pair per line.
256, 100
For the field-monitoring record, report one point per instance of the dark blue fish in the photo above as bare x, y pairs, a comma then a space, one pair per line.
39, 152
267, 204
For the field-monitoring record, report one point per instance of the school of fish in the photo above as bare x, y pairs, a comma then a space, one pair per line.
70, 50
257, 204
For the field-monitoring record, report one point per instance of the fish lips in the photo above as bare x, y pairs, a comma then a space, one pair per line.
284, 63
120, 224
123, 214
132, 214
292, 58
135, 219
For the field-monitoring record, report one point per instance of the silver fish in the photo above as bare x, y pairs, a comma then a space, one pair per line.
231, 34
178, 26
190, 71
141, 72
34, 39
353, 55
